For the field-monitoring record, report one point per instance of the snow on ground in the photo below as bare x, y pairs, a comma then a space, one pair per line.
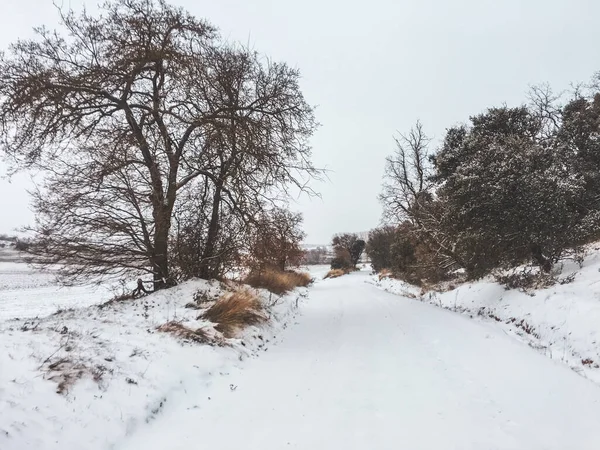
562, 321
28, 293
317, 271
365, 369
354, 368
90, 376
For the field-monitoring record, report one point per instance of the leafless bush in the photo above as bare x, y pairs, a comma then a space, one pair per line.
531, 278
568, 279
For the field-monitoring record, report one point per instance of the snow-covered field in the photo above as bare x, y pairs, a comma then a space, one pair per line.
562, 321
28, 293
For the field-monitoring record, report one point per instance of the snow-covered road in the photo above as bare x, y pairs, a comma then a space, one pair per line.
364, 369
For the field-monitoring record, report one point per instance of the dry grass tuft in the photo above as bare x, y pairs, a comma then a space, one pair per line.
234, 311
187, 334
278, 282
385, 273
300, 279
65, 372
334, 273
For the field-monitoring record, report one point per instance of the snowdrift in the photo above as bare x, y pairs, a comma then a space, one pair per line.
562, 321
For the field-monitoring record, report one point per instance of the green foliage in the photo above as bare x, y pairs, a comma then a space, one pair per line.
507, 195
512, 186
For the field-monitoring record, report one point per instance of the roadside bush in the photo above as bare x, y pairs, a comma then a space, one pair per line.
385, 273
276, 281
402, 252
513, 186
234, 311
512, 195
341, 263
531, 278
379, 247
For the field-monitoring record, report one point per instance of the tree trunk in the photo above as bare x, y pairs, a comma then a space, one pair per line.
207, 265
537, 255
160, 256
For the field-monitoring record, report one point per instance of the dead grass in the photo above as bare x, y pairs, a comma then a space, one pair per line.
278, 282
334, 273
385, 273
234, 311
187, 334
65, 372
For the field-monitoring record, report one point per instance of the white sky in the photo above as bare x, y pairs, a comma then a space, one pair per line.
376, 67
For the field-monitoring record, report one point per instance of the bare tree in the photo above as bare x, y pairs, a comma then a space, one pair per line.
407, 175
544, 104
126, 111
408, 194
192, 218
275, 241
259, 151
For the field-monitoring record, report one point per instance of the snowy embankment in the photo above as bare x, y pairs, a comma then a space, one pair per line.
562, 321
88, 377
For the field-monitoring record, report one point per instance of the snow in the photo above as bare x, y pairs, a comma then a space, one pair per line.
365, 369
354, 367
114, 369
561, 322
317, 271
26, 292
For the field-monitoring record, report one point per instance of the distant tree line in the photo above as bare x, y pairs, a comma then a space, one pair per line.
514, 185
314, 256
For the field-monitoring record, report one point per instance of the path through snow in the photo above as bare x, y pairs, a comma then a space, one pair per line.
365, 369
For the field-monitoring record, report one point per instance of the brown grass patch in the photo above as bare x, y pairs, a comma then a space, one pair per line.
334, 273
385, 273
65, 372
234, 311
182, 332
278, 282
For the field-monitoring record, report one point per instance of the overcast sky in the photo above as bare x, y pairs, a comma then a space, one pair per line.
374, 67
